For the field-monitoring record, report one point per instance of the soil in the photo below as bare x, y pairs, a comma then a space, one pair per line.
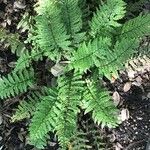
132, 134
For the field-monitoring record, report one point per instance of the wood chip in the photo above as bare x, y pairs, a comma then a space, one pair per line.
127, 87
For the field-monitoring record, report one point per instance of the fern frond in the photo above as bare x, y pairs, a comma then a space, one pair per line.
45, 116
106, 18
16, 83
58, 112
26, 23
98, 141
39, 143
70, 92
85, 9
134, 7
81, 59
51, 33
23, 62
26, 108
95, 135
17, 47
116, 58
97, 100
86, 56
79, 141
72, 18
137, 27
98, 53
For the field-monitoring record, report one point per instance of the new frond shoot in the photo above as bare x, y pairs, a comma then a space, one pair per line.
87, 53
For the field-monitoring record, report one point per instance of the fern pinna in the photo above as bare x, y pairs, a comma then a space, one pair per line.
99, 49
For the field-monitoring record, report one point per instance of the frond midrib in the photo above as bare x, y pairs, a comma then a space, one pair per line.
135, 28
16, 84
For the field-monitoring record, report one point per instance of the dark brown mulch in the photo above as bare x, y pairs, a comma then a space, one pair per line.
135, 132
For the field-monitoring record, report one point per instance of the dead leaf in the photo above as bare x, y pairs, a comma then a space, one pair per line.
57, 69
136, 83
12, 64
118, 146
19, 5
20, 136
8, 21
131, 74
148, 95
1, 119
124, 114
116, 98
127, 87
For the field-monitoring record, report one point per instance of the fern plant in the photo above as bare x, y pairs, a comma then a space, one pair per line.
13, 41
100, 49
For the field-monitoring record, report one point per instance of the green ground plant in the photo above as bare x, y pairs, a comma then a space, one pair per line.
86, 46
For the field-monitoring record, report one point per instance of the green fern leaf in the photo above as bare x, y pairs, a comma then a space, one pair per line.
45, 116
95, 135
116, 58
134, 7
81, 59
27, 108
72, 18
79, 141
51, 33
16, 83
23, 62
106, 18
96, 99
136, 27
39, 143
98, 53
84, 7
17, 47
70, 92
88, 55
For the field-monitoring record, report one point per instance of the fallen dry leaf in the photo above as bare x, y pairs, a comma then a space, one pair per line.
124, 114
127, 87
118, 146
1, 119
116, 98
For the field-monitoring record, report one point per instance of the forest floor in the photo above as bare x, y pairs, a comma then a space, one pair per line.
131, 94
